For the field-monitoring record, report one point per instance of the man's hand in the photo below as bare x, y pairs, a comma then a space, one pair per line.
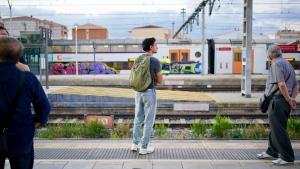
22, 67
37, 125
293, 103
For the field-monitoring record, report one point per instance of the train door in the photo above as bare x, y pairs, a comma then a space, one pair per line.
237, 61
178, 55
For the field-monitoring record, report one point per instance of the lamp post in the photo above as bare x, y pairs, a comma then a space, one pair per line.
76, 49
94, 50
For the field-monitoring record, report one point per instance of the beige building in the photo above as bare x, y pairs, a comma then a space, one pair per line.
26, 23
287, 34
90, 31
151, 31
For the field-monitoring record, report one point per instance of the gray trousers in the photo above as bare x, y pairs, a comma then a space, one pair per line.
279, 142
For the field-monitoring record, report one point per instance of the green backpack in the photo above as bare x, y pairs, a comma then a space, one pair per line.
140, 76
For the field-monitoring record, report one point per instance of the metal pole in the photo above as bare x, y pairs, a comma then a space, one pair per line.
46, 55
76, 50
173, 27
203, 40
94, 47
10, 17
247, 43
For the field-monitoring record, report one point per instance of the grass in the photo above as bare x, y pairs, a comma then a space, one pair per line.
221, 126
198, 129
161, 131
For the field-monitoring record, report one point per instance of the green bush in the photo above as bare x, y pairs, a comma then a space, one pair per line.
293, 128
198, 128
95, 129
121, 131
161, 131
65, 130
221, 126
257, 131
238, 131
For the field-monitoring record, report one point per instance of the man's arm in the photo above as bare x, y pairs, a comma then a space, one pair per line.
159, 78
284, 91
295, 91
40, 103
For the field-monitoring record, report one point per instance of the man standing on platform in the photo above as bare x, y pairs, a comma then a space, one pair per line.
145, 74
282, 82
19, 92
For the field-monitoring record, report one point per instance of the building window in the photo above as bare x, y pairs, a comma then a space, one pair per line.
86, 48
70, 48
57, 49
117, 48
134, 48
102, 48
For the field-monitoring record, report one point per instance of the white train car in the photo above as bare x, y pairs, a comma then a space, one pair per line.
220, 57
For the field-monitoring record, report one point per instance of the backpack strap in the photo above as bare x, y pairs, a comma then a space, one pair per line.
12, 108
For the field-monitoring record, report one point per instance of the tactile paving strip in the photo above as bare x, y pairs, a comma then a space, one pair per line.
160, 153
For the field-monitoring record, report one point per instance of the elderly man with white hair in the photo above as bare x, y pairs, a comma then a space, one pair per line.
282, 84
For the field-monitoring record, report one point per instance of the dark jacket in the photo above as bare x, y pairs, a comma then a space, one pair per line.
20, 130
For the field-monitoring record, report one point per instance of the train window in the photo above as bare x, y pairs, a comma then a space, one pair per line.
134, 48
70, 48
185, 57
102, 48
238, 57
86, 48
118, 48
57, 49
174, 57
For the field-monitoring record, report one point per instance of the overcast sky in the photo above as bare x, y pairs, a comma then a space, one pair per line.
119, 16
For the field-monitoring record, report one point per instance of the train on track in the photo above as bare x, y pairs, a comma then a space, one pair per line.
178, 57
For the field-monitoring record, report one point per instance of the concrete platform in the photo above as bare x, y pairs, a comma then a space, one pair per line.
169, 154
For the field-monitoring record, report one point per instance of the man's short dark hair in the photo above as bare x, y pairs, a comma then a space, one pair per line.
147, 43
10, 50
3, 28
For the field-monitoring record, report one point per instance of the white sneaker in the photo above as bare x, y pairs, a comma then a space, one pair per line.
280, 161
135, 147
149, 150
264, 155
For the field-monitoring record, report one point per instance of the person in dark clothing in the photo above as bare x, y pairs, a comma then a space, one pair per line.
22, 124
21, 63
281, 81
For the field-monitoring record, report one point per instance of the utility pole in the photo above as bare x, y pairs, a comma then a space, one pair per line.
183, 15
173, 27
203, 39
10, 16
247, 49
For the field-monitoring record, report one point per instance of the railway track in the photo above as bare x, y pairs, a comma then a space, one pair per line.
166, 116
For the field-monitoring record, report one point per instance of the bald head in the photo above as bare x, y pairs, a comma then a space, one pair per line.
274, 51
10, 50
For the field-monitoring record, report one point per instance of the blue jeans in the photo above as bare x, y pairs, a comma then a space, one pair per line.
24, 161
145, 111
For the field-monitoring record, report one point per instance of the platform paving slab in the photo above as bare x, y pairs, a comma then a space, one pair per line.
166, 164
